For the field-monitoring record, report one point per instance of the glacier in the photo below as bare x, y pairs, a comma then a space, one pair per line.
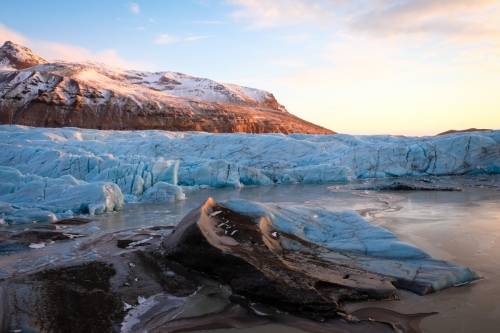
52, 172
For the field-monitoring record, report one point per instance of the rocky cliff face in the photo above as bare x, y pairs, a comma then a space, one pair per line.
35, 92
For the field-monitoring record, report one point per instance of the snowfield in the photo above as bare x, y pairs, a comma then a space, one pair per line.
49, 173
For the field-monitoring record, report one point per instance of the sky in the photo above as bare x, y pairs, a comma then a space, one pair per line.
411, 67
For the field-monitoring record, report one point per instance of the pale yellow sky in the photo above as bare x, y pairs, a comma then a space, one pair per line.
420, 102
400, 67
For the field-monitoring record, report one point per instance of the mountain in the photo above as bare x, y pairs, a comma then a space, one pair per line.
17, 56
36, 92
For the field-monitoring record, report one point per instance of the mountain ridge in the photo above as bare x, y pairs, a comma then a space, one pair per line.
36, 92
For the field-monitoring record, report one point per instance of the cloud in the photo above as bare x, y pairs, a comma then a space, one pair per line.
208, 22
7, 34
62, 51
296, 38
193, 38
165, 39
265, 14
455, 18
135, 8
289, 63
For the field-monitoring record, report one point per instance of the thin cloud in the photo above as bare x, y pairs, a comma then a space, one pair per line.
135, 8
8, 34
296, 38
266, 14
454, 18
52, 50
289, 63
194, 38
208, 22
166, 39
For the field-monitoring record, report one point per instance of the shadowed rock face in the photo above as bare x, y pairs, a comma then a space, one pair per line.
36, 93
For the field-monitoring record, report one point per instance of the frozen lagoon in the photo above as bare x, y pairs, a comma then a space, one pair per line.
462, 227
42, 170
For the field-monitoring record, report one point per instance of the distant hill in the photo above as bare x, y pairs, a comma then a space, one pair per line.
465, 130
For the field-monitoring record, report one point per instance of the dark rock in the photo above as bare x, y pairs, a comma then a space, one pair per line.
123, 243
252, 267
77, 299
73, 221
4, 311
41, 235
407, 186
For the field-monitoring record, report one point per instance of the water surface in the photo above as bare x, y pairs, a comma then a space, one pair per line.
463, 227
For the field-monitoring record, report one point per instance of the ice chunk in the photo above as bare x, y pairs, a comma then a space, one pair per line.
35, 198
345, 238
163, 192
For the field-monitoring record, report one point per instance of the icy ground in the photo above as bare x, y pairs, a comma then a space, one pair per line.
47, 174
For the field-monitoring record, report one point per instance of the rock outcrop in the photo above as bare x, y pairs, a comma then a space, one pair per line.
35, 92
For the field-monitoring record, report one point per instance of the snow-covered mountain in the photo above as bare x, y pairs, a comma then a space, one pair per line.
36, 92
16, 56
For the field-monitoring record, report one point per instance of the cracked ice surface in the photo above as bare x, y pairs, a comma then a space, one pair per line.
151, 165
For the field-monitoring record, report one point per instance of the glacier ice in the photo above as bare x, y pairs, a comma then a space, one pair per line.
344, 238
163, 192
136, 161
26, 198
